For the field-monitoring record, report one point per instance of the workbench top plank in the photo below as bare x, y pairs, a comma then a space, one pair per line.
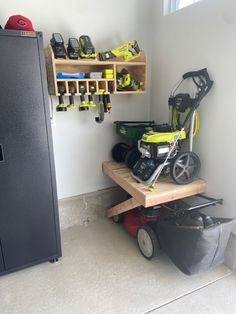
165, 188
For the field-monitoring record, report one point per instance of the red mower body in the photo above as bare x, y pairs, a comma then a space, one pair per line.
139, 216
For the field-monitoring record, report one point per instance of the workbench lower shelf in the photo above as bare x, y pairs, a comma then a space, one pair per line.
165, 189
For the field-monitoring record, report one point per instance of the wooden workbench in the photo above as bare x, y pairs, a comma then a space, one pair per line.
165, 189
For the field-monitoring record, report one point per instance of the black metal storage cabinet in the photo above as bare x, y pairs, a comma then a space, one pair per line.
29, 224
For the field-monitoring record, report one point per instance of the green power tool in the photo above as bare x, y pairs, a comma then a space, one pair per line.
61, 106
83, 106
128, 51
92, 90
87, 49
126, 82
100, 117
72, 104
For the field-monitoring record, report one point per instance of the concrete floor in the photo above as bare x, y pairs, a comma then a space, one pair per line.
102, 271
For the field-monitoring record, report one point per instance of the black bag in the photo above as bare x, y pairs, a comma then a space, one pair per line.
193, 249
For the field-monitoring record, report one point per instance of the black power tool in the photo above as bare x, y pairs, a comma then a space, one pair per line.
73, 48
61, 106
58, 47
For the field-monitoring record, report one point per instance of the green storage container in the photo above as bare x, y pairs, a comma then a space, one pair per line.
132, 131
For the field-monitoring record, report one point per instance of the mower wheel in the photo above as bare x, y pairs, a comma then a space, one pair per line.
119, 152
118, 219
147, 242
185, 168
132, 157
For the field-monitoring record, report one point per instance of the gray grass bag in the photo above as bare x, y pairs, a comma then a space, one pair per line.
195, 249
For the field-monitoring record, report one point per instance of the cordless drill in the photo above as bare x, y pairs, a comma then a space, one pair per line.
61, 106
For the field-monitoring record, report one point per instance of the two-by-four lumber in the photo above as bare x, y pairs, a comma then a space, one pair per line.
122, 207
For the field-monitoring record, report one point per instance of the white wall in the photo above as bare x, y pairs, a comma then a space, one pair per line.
202, 35
80, 144
198, 36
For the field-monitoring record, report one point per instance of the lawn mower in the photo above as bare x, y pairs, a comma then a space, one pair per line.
130, 132
193, 241
160, 148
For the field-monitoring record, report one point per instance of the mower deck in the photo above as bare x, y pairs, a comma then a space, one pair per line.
165, 189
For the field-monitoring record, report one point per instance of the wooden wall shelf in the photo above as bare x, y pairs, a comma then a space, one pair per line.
136, 67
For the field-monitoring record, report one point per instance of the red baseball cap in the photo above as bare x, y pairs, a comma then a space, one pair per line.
19, 22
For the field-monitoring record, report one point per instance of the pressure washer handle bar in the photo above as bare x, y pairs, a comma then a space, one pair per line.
204, 78
188, 117
202, 72
194, 107
202, 93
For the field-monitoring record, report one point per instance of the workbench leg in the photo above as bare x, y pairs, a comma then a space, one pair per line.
122, 207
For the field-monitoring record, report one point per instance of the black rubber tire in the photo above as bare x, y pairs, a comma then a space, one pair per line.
119, 152
181, 165
118, 219
132, 157
151, 239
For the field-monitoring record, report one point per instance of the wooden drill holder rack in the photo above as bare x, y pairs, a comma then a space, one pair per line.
136, 67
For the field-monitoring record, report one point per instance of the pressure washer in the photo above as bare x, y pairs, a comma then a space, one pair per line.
161, 147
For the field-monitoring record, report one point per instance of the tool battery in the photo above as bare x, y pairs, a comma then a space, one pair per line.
108, 73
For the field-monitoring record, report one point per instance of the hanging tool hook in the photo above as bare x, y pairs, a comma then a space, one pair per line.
100, 117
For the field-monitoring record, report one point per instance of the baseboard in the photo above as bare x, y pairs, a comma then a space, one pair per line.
83, 209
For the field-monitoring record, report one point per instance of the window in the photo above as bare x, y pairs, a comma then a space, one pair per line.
171, 6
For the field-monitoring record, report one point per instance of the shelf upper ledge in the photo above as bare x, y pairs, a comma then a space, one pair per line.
141, 60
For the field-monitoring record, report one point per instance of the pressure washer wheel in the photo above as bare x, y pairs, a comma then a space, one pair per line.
147, 242
185, 168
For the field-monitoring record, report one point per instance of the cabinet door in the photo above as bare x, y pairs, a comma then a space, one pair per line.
27, 222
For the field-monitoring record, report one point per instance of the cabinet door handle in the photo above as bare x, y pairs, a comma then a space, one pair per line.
1, 154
